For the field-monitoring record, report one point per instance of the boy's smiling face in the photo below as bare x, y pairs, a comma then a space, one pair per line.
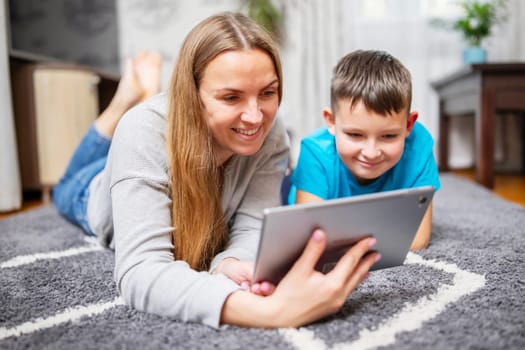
368, 143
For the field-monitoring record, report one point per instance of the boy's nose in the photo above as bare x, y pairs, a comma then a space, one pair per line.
370, 150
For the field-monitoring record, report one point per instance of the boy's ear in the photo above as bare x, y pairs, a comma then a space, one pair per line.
329, 120
411, 120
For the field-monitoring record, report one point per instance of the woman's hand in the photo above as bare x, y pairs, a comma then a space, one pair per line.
309, 295
304, 295
262, 288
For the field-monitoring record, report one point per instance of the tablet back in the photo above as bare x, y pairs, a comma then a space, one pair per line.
392, 217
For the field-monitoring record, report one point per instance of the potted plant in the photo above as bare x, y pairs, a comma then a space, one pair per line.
475, 25
267, 14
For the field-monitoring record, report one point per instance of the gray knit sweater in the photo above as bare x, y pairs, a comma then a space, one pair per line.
129, 209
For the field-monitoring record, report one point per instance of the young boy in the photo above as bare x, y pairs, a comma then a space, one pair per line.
371, 141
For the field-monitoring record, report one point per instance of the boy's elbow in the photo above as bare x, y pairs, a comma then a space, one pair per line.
421, 241
422, 238
420, 244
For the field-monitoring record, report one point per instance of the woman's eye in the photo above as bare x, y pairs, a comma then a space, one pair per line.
230, 98
268, 93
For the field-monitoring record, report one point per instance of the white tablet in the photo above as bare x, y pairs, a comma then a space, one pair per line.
392, 217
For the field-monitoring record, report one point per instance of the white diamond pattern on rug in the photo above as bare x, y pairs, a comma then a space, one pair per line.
410, 318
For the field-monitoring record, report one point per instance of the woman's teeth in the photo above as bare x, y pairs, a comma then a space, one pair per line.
247, 132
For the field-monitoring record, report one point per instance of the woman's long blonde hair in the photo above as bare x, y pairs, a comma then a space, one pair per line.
197, 215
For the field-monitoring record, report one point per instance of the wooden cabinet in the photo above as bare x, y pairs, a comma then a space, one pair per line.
482, 90
54, 105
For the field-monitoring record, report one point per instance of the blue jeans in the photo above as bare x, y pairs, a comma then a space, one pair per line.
70, 195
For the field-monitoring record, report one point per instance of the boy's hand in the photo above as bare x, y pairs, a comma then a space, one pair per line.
241, 273
238, 271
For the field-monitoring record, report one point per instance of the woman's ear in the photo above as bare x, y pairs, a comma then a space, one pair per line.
329, 120
411, 120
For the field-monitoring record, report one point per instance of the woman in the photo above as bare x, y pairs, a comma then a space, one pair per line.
184, 184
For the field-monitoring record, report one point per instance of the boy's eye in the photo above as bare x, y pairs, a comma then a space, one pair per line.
390, 136
354, 134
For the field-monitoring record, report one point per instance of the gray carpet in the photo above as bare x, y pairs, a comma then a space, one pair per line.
467, 291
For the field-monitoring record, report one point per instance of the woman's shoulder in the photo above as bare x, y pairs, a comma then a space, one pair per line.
152, 110
278, 130
144, 122
140, 136
277, 138
157, 103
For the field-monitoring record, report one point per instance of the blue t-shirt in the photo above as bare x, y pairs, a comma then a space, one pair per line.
321, 172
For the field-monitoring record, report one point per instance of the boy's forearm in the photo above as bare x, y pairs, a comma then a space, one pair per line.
422, 238
306, 197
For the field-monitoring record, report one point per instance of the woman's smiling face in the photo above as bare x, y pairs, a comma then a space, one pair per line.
239, 94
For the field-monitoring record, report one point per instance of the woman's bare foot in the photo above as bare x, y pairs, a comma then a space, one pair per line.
147, 69
140, 80
129, 91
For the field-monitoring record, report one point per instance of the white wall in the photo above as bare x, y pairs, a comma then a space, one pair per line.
162, 26
10, 187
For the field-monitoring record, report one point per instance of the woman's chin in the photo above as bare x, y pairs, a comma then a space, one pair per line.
247, 151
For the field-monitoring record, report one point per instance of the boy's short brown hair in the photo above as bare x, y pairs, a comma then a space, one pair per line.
376, 78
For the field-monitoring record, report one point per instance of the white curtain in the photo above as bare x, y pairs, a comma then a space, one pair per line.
10, 187
311, 47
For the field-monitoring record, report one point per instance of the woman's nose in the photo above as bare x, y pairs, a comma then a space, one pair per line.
252, 113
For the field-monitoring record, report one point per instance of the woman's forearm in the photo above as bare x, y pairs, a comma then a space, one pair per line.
246, 309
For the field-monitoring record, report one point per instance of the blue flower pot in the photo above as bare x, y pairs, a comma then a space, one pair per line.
474, 54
